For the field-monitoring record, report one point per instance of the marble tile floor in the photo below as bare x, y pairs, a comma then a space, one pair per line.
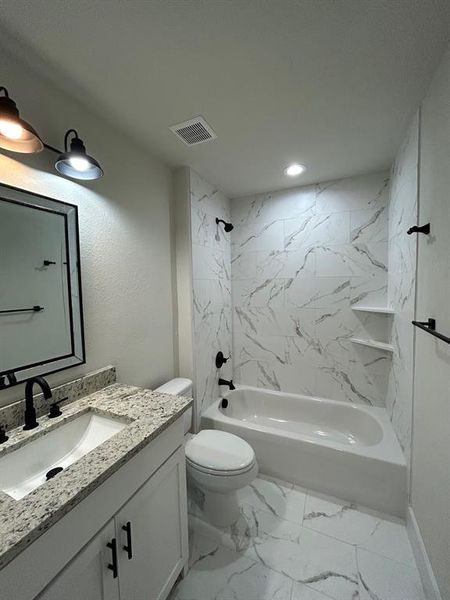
293, 544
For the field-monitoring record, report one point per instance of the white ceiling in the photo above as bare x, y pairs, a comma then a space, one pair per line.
328, 83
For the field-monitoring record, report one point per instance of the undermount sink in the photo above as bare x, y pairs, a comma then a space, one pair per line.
26, 468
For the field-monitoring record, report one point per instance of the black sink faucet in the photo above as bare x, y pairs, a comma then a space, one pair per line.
30, 411
230, 383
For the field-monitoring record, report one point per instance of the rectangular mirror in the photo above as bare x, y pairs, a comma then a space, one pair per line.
41, 317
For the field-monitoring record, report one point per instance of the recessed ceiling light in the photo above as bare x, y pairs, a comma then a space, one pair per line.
294, 169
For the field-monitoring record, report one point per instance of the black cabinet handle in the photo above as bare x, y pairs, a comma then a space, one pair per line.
113, 566
128, 548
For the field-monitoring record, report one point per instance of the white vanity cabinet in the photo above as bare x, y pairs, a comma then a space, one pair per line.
154, 523
139, 553
87, 575
138, 514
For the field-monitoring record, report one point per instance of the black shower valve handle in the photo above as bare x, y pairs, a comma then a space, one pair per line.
221, 359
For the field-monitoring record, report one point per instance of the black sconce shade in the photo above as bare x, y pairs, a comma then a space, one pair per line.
75, 162
16, 134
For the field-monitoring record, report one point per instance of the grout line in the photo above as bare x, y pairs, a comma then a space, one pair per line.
357, 571
317, 592
304, 506
413, 566
360, 547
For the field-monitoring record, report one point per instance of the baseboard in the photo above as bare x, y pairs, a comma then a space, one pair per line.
420, 554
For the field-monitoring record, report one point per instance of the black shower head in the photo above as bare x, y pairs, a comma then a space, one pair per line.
227, 226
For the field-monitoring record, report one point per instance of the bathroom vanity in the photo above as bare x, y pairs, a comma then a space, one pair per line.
111, 525
93, 489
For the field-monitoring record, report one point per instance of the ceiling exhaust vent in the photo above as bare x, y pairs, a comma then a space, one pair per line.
195, 131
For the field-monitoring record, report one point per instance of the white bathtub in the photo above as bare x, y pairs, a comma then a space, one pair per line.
329, 446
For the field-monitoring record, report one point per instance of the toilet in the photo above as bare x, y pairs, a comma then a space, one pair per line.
218, 463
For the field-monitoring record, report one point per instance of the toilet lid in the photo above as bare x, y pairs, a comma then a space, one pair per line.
219, 451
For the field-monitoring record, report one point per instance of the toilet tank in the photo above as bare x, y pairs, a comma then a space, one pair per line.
180, 386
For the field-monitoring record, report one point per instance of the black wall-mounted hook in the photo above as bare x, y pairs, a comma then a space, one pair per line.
49, 262
422, 229
220, 359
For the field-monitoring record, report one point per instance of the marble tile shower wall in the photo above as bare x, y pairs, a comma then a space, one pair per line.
301, 258
401, 283
211, 267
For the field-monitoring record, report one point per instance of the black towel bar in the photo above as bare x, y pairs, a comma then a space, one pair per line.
430, 327
21, 310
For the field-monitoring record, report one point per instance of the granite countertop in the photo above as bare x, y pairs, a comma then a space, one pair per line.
146, 413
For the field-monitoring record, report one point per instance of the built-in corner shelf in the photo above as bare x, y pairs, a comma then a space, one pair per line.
374, 309
373, 344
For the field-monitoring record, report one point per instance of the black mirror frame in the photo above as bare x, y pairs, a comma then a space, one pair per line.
77, 357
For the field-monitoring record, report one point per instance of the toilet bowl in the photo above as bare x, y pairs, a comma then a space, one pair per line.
218, 464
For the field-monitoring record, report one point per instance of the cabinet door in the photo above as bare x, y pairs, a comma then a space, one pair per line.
154, 523
87, 576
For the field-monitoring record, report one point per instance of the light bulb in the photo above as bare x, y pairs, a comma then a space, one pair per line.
10, 130
79, 163
294, 169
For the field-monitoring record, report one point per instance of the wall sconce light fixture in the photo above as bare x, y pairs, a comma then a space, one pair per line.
75, 162
16, 134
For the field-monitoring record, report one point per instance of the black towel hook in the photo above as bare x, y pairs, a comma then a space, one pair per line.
422, 229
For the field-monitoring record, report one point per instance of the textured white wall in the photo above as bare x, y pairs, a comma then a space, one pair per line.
183, 272
431, 420
124, 229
